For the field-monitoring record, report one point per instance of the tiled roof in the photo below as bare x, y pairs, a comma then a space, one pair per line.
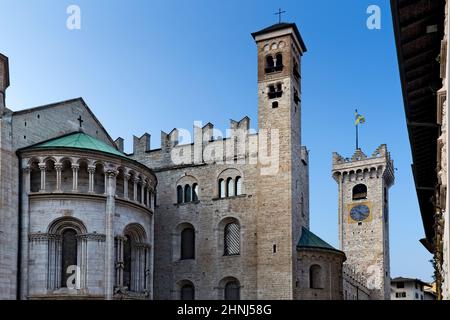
310, 240
78, 140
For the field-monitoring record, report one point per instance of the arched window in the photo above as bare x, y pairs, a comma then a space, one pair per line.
187, 193
187, 292
221, 188
269, 62
35, 177
359, 192
179, 194
127, 262
279, 58
315, 274
238, 186
232, 290
195, 192
133, 254
68, 254
188, 244
230, 187
232, 239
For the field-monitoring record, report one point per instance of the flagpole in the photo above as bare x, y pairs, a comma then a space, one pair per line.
356, 128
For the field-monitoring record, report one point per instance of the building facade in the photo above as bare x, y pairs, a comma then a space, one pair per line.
218, 218
421, 30
409, 289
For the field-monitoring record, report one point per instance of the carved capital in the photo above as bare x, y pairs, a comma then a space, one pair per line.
92, 237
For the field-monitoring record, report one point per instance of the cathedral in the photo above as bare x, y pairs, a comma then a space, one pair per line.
215, 218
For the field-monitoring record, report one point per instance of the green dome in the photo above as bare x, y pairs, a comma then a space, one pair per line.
78, 140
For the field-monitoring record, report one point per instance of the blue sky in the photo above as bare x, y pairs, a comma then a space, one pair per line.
146, 66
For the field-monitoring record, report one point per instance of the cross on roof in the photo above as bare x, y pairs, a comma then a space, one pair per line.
80, 121
279, 13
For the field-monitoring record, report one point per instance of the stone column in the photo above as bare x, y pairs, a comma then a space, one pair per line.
25, 213
58, 169
147, 194
75, 168
143, 192
126, 178
42, 167
119, 261
109, 231
152, 200
135, 181
91, 170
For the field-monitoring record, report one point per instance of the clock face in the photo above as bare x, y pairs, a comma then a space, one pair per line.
360, 212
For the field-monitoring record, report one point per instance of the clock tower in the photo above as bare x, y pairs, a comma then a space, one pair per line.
363, 206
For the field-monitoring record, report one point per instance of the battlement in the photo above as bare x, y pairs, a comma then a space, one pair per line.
379, 153
360, 165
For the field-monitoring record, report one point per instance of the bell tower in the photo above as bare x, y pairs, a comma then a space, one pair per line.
363, 204
279, 183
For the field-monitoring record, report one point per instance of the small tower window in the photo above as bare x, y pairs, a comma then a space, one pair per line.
315, 277
275, 104
295, 70
187, 193
296, 97
359, 192
232, 239
279, 64
269, 62
179, 194
230, 187
275, 91
221, 188
188, 244
187, 292
238, 188
195, 192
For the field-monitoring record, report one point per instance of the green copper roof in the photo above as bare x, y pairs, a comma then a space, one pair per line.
79, 140
310, 240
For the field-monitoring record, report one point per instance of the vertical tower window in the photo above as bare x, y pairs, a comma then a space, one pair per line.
269, 62
179, 194
222, 188
279, 64
232, 235
188, 244
230, 187
238, 187
68, 254
195, 192
187, 193
359, 192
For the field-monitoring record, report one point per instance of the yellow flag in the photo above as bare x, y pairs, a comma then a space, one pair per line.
359, 119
